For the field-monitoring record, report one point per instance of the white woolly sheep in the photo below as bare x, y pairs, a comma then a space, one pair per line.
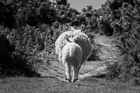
78, 37
71, 59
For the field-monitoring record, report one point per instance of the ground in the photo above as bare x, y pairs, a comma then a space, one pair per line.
54, 85
53, 81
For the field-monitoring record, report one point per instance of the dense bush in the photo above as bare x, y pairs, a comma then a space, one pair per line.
22, 49
128, 39
12, 62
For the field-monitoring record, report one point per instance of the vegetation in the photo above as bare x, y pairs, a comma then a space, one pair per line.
29, 28
50, 85
123, 16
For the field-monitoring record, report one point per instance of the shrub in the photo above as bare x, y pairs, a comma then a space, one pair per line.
105, 27
22, 49
129, 62
11, 63
94, 55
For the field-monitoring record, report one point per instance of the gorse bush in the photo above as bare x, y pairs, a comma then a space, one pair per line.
128, 40
105, 27
13, 63
22, 49
130, 63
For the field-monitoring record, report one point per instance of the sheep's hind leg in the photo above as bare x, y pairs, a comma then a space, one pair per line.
75, 75
68, 73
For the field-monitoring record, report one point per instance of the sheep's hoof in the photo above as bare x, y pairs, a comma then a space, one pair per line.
66, 78
75, 80
69, 80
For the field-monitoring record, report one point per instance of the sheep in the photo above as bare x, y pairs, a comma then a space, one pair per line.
77, 37
71, 59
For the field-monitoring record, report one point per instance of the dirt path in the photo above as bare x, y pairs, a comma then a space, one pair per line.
108, 50
89, 69
93, 68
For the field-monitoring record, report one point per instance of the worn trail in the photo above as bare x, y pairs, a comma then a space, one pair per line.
108, 54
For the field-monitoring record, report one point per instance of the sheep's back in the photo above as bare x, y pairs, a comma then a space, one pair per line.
72, 50
79, 37
72, 53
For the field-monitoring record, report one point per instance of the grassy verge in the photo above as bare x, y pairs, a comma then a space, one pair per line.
52, 85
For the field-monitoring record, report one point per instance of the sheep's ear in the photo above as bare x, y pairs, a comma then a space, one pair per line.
67, 40
70, 40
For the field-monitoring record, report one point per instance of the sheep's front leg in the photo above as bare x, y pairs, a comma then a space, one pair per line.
68, 72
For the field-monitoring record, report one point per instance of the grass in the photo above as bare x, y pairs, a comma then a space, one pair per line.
53, 85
